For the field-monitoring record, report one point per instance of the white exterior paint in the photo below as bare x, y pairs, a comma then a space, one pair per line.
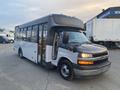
70, 55
103, 29
48, 53
29, 49
9, 35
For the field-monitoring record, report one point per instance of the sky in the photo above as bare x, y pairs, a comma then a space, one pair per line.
15, 12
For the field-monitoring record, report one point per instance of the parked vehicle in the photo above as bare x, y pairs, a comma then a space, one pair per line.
104, 31
58, 41
3, 39
10, 38
105, 27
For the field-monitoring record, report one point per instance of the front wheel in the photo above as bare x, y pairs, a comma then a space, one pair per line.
66, 70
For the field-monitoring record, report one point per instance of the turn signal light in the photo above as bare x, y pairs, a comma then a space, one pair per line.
85, 62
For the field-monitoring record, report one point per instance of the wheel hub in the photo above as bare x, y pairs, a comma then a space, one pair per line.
65, 71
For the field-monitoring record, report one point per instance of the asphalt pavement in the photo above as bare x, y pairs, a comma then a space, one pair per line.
22, 74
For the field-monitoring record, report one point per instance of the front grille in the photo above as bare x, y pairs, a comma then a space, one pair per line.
100, 61
100, 54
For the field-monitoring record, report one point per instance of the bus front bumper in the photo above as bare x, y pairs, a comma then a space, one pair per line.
92, 70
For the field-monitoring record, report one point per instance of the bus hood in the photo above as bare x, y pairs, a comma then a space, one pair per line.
91, 48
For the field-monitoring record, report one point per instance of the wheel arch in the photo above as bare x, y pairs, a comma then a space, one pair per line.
62, 59
66, 61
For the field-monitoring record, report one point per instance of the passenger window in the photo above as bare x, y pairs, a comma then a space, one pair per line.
16, 33
45, 31
24, 34
29, 33
34, 33
20, 34
40, 33
44, 34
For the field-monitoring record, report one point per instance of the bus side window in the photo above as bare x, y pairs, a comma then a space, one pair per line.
25, 34
20, 34
44, 34
17, 33
45, 31
34, 34
29, 34
40, 39
40, 33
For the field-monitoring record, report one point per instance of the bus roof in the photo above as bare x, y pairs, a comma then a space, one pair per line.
56, 20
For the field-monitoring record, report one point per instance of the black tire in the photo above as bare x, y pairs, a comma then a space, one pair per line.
66, 74
20, 53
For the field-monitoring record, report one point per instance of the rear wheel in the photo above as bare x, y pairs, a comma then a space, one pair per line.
20, 53
66, 70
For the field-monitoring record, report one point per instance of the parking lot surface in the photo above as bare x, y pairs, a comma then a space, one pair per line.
21, 74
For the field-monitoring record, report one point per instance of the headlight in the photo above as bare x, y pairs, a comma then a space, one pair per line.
85, 55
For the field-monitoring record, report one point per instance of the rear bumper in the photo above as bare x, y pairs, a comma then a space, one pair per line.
92, 70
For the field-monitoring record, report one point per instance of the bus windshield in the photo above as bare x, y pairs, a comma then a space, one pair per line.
77, 37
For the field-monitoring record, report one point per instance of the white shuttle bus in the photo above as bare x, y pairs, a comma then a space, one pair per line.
58, 41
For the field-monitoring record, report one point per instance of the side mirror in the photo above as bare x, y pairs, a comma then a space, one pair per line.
65, 38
